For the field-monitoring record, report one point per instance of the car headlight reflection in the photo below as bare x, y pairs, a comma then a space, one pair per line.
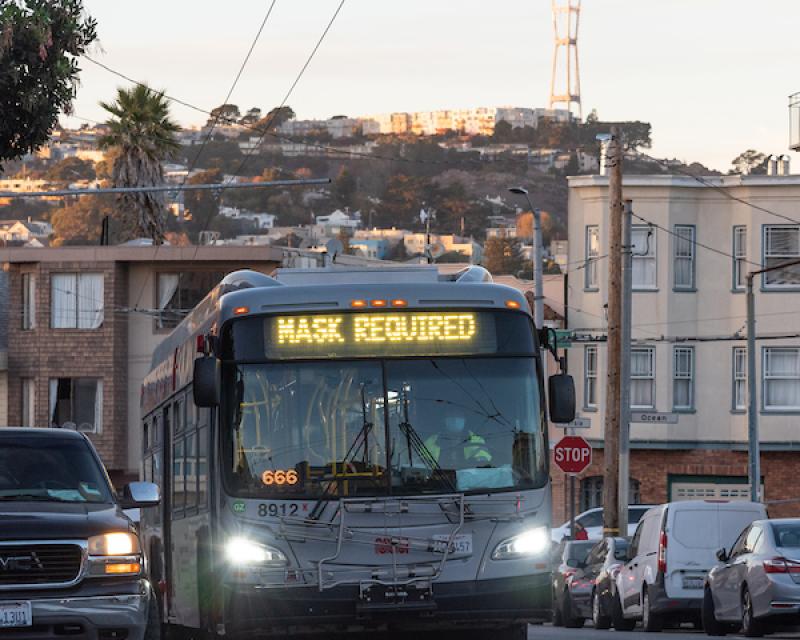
243, 552
533, 542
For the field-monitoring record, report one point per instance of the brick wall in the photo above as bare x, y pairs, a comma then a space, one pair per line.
652, 468
45, 353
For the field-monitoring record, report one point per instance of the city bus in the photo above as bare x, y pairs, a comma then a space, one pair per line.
352, 450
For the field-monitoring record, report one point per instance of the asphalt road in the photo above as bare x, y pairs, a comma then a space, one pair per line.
548, 632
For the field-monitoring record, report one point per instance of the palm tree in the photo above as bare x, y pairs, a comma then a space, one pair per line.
144, 136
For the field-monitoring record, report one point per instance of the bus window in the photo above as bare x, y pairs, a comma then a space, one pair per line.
146, 436
190, 470
178, 414
178, 483
202, 467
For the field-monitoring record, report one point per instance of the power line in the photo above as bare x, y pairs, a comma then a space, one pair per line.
292, 87
707, 183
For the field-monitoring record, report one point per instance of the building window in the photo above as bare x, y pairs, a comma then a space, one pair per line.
179, 293
591, 281
590, 377
591, 495
739, 257
782, 378
76, 403
643, 239
781, 244
684, 266
683, 378
643, 377
739, 378
28, 301
77, 300
28, 402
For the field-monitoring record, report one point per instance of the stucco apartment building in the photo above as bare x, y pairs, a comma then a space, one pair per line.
82, 324
688, 355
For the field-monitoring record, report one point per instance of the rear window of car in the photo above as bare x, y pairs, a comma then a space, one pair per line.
579, 550
787, 535
709, 528
634, 515
620, 549
592, 519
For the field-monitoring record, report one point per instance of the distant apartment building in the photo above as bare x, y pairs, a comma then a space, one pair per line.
339, 221
474, 121
415, 245
376, 248
82, 323
392, 236
337, 127
261, 220
688, 356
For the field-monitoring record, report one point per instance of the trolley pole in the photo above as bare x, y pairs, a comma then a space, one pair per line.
625, 368
614, 354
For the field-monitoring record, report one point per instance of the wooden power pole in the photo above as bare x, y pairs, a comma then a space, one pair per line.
614, 355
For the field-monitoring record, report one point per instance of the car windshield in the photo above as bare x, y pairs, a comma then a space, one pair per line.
38, 468
787, 535
366, 428
634, 515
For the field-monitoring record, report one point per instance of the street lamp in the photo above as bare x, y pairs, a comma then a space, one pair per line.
538, 295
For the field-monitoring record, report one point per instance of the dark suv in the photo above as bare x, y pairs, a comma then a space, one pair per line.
70, 561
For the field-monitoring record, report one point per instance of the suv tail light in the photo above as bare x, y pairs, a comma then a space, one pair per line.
662, 553
781, 565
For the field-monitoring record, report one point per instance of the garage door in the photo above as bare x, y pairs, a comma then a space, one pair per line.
709, 490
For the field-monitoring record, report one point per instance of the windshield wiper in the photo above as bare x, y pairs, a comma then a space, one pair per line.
34, 497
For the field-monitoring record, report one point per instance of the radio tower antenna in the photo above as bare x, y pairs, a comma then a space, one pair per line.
565, 87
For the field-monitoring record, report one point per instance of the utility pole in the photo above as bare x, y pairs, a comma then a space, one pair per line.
625, 368
754, 447
614, 355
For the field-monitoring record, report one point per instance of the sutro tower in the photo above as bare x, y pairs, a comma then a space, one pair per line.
565, 86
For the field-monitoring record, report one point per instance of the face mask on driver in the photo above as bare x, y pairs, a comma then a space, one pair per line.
454, 424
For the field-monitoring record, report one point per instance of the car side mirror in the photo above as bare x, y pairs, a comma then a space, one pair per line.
561, 393
140, 495
722, 555
205, 383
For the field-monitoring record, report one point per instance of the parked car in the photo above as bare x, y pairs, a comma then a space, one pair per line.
602, 566
756, 585
670, 554
569, 557
70, 560
592, 522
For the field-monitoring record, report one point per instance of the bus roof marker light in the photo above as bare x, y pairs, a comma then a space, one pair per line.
358, 304
399, 303
378, 303
238, 311
512, 304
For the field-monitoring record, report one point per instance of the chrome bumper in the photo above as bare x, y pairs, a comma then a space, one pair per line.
100, 617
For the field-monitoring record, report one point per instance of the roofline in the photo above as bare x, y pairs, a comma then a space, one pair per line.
688, 182
162, 253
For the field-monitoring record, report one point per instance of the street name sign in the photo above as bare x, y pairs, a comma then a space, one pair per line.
572, 454
577, 423
654, 417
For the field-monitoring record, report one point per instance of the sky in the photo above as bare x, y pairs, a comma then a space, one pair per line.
711, 76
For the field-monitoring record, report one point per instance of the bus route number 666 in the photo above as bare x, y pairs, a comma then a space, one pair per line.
280, 477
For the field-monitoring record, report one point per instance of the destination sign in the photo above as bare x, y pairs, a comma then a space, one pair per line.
371, 334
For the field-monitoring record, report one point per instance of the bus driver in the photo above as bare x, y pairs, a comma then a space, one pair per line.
456, 446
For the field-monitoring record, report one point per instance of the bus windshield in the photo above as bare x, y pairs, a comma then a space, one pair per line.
338, 428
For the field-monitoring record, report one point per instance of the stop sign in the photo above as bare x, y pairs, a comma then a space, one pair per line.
572, 454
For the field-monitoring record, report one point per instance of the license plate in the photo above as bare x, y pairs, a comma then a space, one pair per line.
692, 583
461, 543
15, 614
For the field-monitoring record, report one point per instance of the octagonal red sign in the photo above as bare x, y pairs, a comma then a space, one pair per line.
572, 454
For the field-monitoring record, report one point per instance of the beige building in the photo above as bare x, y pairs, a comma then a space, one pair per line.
688, 356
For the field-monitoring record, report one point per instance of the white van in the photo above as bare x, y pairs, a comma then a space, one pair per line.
669, 556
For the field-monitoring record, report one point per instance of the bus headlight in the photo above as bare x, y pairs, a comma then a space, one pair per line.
530, 543
241, 552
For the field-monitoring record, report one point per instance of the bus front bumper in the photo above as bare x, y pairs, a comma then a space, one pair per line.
505, 601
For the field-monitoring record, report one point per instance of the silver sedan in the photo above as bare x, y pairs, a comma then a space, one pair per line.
756, 585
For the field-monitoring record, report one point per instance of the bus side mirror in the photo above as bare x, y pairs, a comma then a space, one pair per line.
205, 385
561, 392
